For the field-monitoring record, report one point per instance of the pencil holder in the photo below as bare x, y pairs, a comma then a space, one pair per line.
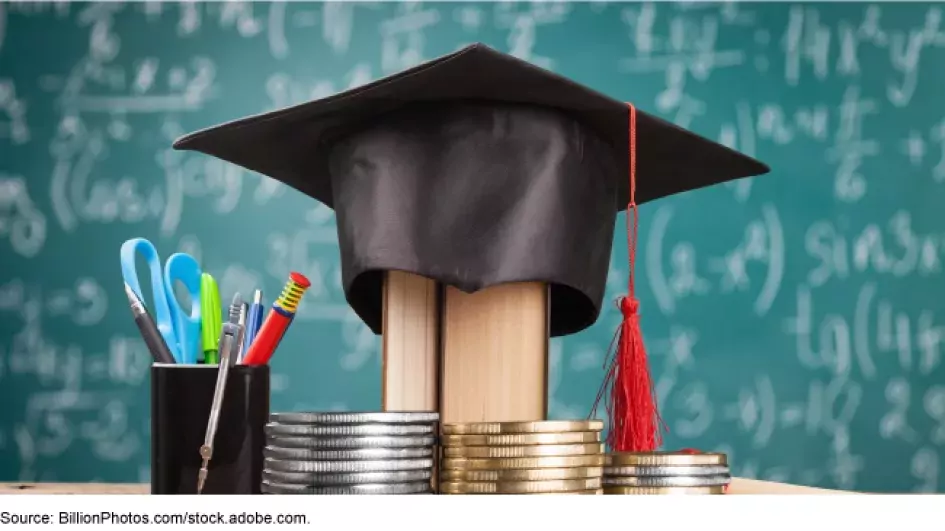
181, 397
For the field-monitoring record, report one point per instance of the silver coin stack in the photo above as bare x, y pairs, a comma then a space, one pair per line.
389, 452
666, 473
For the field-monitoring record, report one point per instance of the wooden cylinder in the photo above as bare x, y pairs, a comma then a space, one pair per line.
494, 354
410, 343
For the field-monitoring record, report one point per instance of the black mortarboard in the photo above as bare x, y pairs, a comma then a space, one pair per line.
474, 169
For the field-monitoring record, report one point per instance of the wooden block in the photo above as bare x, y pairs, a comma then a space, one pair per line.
410, 343
494, 354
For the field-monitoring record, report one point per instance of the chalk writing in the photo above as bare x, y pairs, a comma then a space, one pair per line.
337, 24
808, 40
893, 248
690, 49
839, 342
934, 406
895, 423
523, 26
938, 137
925, 468
78, 196
850, 147
694, 411
20, 220
238, 15
85, 302
13, 124
756, 411
844, 465
763, 244
402, 37
677, 349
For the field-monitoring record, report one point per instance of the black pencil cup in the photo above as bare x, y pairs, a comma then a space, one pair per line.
181, 397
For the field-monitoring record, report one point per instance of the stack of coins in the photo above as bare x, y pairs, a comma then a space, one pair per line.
350, 453
666, 473
545, 457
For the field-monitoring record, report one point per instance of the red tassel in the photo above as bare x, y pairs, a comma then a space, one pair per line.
631, 408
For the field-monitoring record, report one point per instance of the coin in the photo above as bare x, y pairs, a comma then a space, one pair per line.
368, 488
464, 463
665, 459
518, 487
357, 417
705, 470
346, 466
536, 450
353, 430
667, 481
540, 426
349, 454
664, 490
539, 474
349, 478
521, 439
328, 442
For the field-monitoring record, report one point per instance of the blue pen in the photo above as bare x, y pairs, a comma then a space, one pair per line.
253, 322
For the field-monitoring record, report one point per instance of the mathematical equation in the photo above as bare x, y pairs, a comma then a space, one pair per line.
693, 48
64, 409
829, 409
687, 274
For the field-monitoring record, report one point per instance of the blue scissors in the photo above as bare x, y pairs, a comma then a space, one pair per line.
181, 331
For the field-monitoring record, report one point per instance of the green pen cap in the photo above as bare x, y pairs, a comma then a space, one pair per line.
212, 318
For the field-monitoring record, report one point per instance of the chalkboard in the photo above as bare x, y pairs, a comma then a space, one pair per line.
794, 321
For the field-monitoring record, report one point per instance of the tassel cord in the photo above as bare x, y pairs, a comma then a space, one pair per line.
634, 417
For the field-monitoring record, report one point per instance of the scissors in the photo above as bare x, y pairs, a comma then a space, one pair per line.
181, 331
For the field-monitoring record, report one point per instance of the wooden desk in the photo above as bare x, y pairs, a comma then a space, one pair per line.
754, 486
75, 488
738, 486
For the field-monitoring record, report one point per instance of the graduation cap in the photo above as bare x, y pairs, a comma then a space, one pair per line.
477, 169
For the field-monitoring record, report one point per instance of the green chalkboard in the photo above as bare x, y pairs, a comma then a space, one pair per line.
795, 321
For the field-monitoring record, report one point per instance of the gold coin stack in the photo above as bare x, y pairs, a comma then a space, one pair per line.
540, 457
666, 473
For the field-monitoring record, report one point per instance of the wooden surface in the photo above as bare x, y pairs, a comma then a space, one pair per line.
754, 486
75, 488
494, 354
738, 486
409, 344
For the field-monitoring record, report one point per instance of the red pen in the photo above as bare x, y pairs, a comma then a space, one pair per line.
278, 321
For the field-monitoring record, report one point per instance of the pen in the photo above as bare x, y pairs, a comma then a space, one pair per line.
152, 338
253, 322
238, 356
211, 318
229, 339
278, 321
